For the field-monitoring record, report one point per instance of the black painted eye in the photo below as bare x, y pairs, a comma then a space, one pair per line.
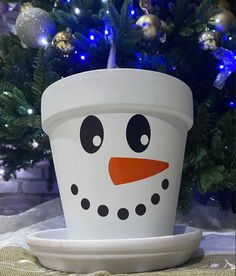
138, 133
91, 134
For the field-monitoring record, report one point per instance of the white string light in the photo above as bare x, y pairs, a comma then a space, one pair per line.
35, 144
43, 41
30, 111
77, 11
6, 125
2, 171
6, 93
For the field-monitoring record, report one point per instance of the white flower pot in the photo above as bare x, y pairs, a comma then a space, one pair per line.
118, 139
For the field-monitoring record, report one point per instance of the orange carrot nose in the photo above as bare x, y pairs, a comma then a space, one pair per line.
126, 170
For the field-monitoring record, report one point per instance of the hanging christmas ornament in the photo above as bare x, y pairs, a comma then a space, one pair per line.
64, 42
34, 26
8, 10
26, 6
209, 40
4, 7
227, 67
222, 20
224, 4
151, 26
145, 5
111, 63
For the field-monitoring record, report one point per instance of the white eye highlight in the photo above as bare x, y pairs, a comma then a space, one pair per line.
144, 140
97, 140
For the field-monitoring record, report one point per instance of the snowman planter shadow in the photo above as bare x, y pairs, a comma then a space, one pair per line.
118, 139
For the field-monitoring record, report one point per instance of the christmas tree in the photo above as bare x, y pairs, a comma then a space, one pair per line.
194, 41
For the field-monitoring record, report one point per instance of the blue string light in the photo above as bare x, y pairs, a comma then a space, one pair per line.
139, 56
62, 2
92, 37
132, 12
231, 104
43, 41
106, 32
221, 66
82, 57
224, 37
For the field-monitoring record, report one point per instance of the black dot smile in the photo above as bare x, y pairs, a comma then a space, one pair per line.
122, 213
74, 189
103, 210
85, 204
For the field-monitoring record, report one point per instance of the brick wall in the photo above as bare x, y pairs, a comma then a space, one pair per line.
27, 190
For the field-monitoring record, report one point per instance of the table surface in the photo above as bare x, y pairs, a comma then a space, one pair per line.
18, 261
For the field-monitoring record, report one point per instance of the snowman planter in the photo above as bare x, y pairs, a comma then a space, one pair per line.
118, 139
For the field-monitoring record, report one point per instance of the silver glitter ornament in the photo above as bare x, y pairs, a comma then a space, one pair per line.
34, 26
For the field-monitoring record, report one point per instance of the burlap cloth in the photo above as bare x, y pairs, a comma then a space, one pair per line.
16, 261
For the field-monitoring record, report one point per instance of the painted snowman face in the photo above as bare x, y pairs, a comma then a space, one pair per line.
123, 157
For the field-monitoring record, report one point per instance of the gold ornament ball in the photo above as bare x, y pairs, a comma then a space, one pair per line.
63, 41
224, 4
4, 7
222, 20
151, 26
26, 6
209, 40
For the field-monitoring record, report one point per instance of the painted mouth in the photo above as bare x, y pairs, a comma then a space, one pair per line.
122, 213
125, 170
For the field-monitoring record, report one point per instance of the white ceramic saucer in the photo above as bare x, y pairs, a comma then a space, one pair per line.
55, 251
